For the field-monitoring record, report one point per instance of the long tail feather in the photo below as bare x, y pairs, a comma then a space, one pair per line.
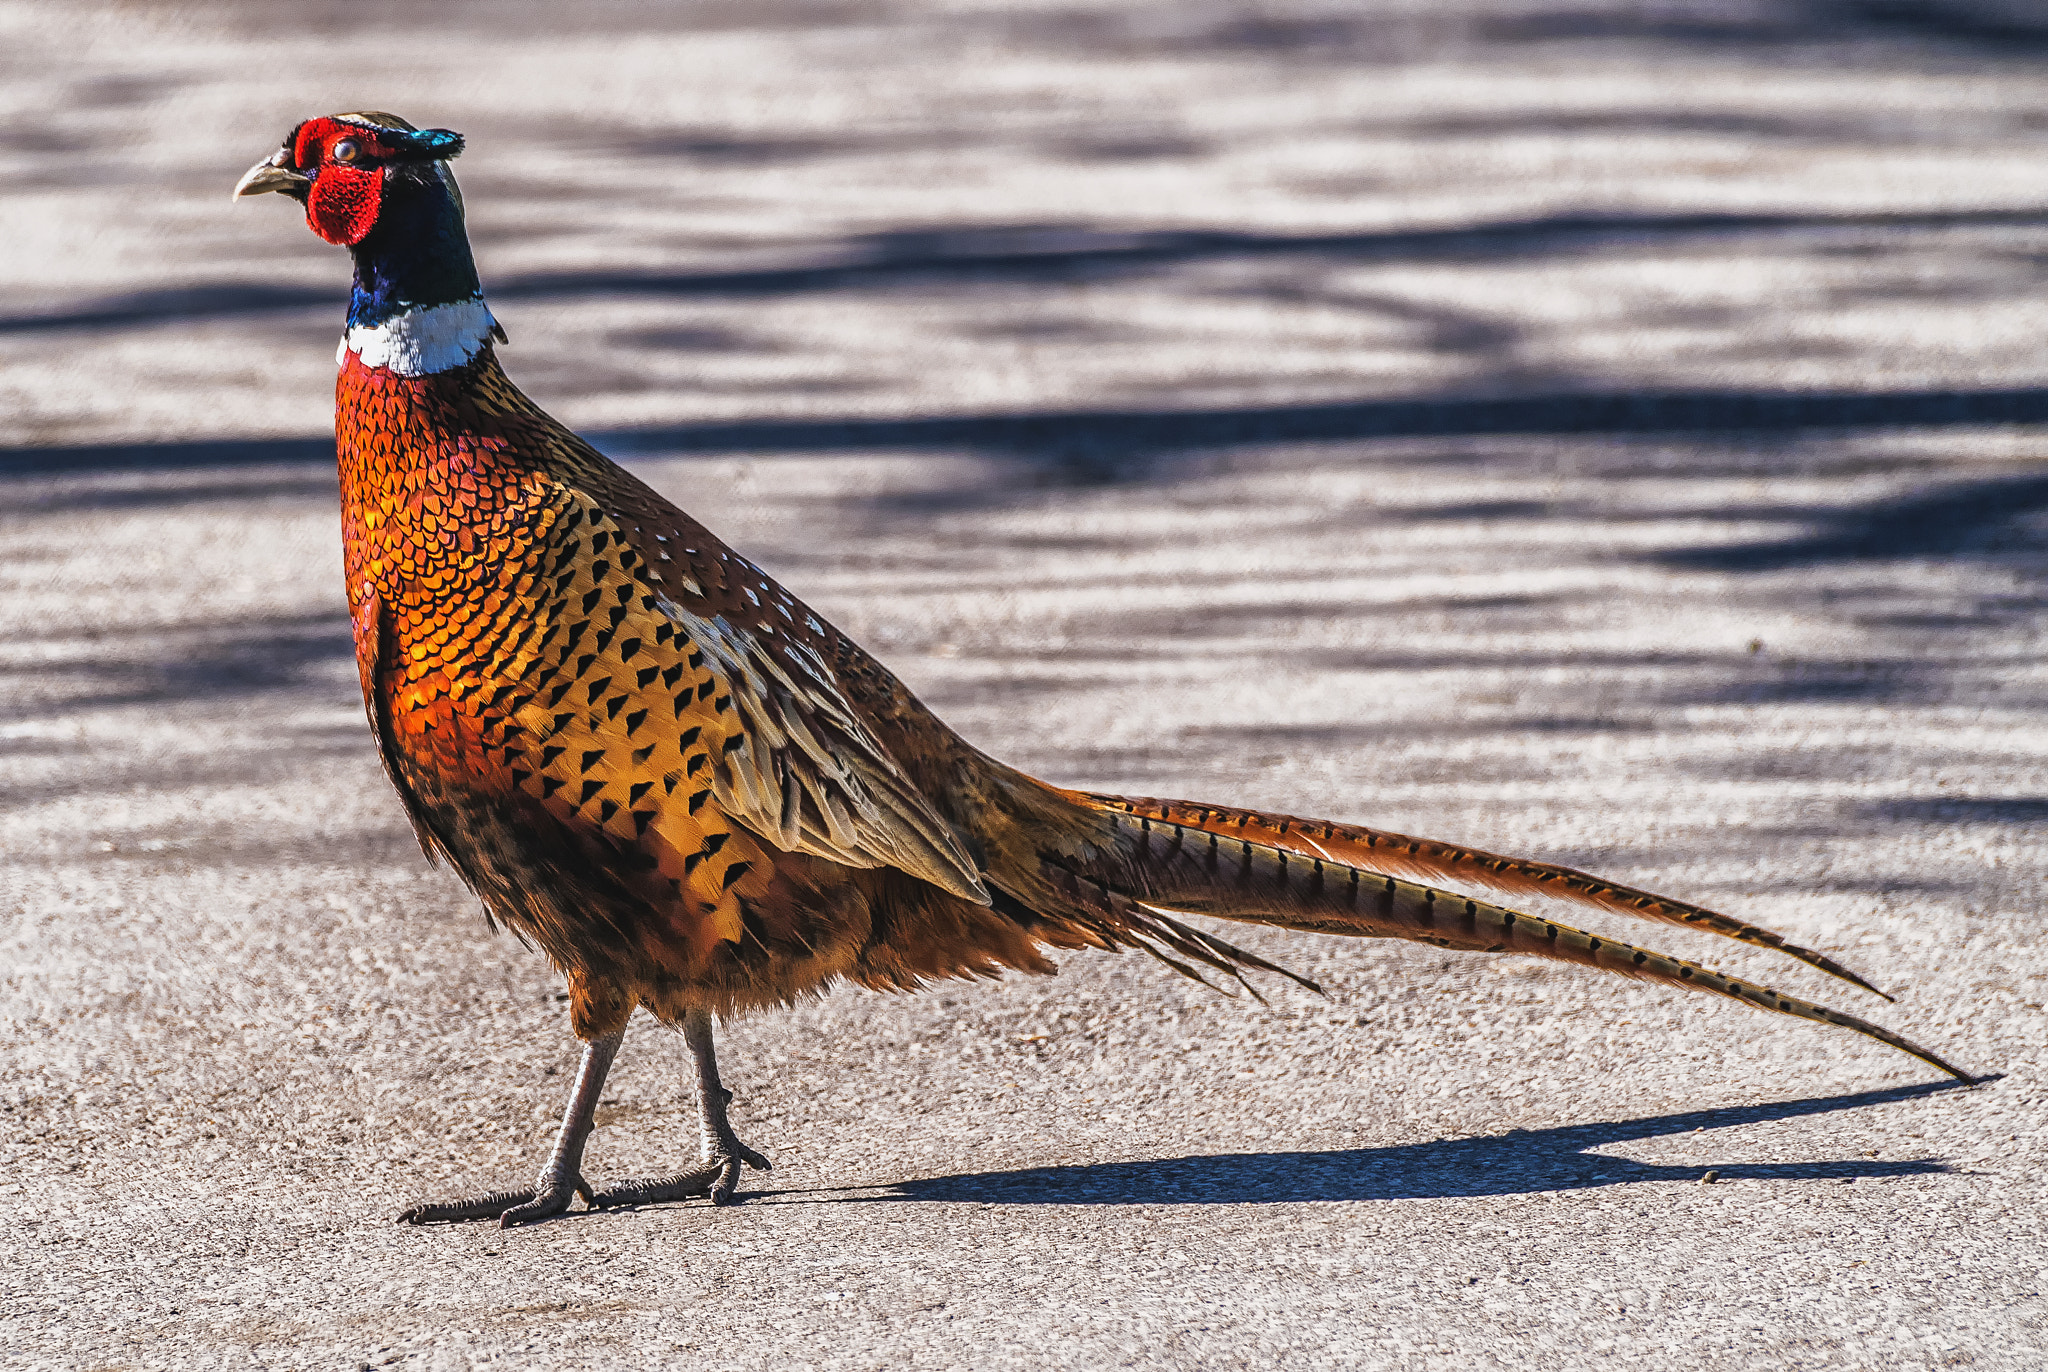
1127, 882
1426, 860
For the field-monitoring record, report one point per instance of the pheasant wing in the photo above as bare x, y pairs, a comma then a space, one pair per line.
801, 770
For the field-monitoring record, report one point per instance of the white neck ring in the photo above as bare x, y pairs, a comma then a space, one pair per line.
423, 340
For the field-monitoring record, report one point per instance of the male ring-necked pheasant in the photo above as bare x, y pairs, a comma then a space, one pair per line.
696, 795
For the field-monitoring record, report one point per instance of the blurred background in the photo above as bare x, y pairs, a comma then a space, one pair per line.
1609, 431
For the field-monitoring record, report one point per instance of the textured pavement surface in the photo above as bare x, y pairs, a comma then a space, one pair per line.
1612, 432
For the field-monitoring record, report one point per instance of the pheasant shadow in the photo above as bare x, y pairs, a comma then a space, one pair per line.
1516, 1163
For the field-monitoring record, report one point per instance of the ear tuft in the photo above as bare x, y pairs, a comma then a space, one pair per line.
440, 144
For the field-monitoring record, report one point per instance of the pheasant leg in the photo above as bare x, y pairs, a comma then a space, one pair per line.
719, 1172
561, 1178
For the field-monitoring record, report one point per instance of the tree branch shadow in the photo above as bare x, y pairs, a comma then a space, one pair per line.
924, 257
1102, 446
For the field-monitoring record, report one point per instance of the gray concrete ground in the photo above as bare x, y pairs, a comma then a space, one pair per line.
1607, 431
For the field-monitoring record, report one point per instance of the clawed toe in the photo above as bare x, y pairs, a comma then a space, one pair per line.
728, 1177
655, 1190
716, 1179
553, 1201
509, 1208
485, 1207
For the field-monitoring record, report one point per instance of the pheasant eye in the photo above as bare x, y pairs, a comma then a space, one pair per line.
346, 150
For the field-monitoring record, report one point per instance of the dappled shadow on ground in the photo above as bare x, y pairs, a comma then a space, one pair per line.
1960, 24
1095, 446
1333, 32
178, 455
174, 664
1515, 1163
1038, 254
1960, 809
293, 481
1941, 520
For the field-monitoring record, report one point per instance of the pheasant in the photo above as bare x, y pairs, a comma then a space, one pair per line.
696, 795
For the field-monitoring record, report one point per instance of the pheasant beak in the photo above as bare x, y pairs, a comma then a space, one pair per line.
274, 173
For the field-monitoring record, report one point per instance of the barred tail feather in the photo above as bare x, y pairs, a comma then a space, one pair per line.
1427, 860
1151, 867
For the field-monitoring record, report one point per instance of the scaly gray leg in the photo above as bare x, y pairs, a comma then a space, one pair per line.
562, 1177
723, 1152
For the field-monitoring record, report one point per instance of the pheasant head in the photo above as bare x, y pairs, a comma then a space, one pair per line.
374, 184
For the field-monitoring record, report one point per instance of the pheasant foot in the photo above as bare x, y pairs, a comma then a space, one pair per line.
719, 1172
561, 1179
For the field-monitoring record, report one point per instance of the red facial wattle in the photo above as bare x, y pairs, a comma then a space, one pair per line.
342, 205
348, 180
